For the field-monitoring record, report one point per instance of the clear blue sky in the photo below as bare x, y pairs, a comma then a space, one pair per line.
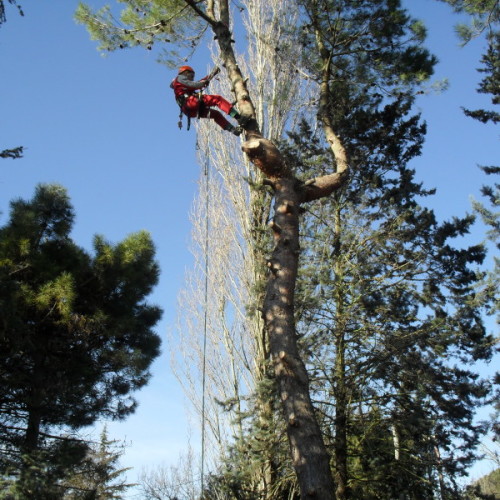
106, 129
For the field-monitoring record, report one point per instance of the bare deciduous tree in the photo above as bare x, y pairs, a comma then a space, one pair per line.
238, 212
171, 483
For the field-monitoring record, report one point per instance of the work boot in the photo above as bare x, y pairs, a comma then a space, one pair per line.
243, 120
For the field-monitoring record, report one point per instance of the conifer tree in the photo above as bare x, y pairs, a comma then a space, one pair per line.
381, 349
484, 16
485, 19
75, 330
240, 415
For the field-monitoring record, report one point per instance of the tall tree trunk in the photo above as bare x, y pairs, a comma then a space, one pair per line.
34, 405
33, 430
341, 413
340, 388
309, 455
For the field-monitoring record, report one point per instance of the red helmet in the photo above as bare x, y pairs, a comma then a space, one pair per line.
185, 68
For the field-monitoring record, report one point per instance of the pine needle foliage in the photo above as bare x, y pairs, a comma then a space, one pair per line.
76, 333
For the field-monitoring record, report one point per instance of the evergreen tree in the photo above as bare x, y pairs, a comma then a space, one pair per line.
99, 475
491, 81
75, 331
491, 193
385, 307
485, 17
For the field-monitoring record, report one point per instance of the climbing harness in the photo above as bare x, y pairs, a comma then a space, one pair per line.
181, 100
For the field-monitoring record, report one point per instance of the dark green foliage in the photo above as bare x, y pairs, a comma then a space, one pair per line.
488, 212
374, 45
38, 474
75, 331
491, 82
388, 312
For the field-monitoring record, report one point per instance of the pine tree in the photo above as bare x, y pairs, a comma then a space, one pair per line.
484, 15
485, 18
491, 193
239, 240
75, 331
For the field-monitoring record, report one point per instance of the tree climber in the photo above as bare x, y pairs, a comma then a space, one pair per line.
194, 103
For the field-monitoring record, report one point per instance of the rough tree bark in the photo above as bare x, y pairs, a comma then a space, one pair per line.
309, 455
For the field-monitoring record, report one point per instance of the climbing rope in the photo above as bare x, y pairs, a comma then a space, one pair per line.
207, 227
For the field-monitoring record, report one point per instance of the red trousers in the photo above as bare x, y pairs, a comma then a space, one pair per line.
192, 108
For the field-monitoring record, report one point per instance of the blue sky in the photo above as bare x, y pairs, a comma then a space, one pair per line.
106, 129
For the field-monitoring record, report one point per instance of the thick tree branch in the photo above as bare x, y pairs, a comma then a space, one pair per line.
325, 98
323, 186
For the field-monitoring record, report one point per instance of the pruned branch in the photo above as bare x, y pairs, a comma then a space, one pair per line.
266, 157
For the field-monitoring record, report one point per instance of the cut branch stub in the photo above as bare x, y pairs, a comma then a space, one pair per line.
266, 157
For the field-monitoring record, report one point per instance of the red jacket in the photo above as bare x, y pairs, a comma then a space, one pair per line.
184, 87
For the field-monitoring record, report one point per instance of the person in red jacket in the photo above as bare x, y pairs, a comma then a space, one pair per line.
196, 104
